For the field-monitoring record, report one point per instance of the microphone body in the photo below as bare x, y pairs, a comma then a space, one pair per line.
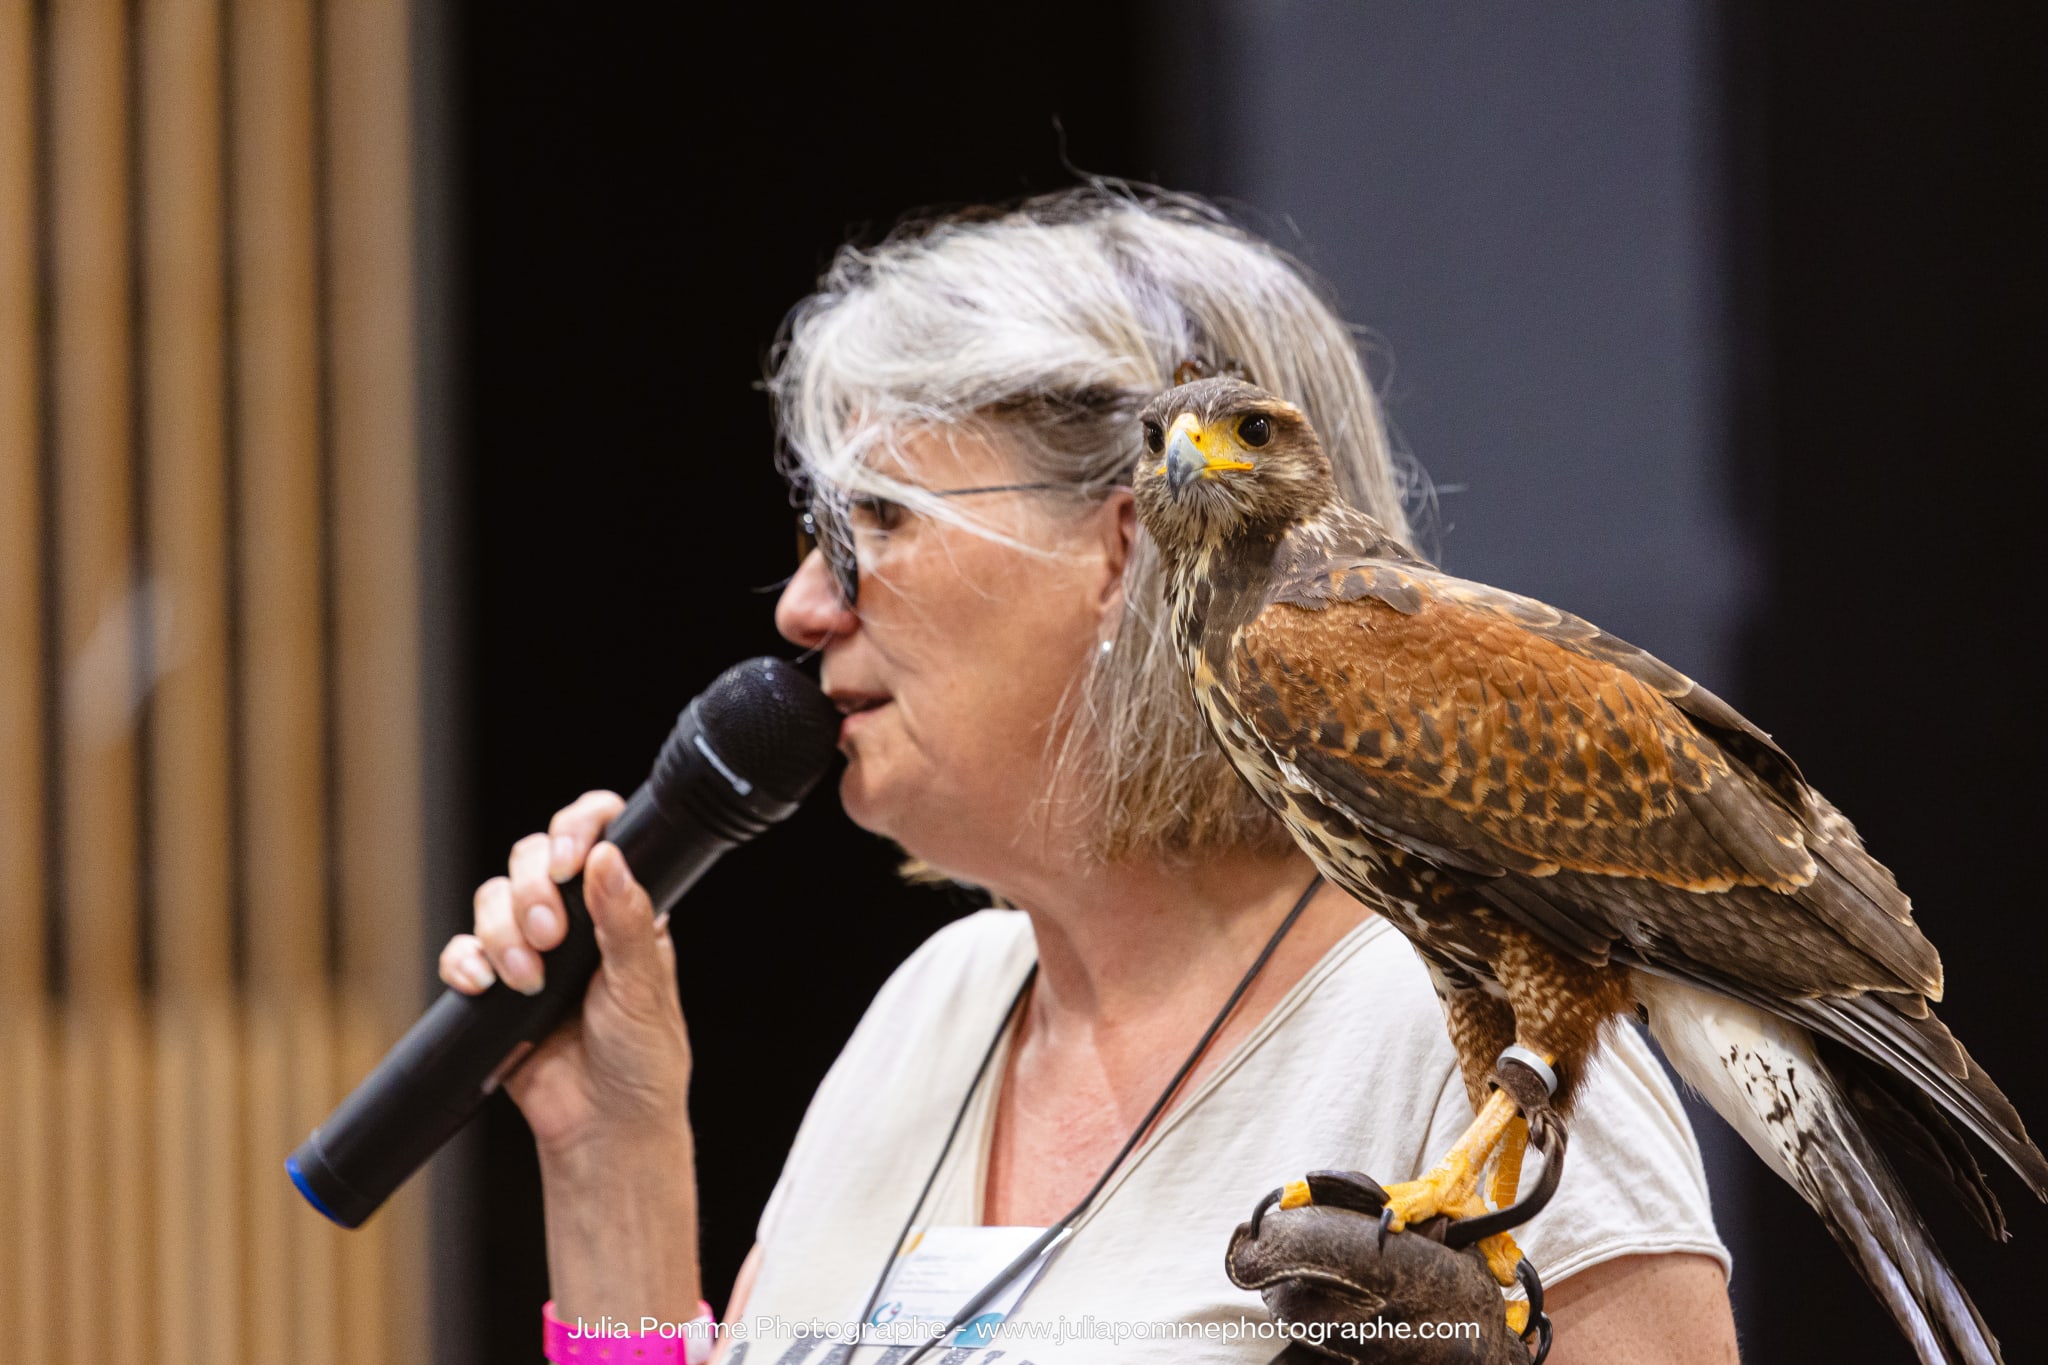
742, 757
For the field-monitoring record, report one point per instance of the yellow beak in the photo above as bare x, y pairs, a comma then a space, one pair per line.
1191, 454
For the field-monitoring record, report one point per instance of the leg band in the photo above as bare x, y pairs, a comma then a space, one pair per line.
1541, 1068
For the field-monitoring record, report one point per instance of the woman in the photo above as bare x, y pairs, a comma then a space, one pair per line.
960, 405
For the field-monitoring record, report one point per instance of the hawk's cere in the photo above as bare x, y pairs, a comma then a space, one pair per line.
1567, 829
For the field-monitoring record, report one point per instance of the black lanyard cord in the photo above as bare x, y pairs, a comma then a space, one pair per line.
959, 1117
1030, 1254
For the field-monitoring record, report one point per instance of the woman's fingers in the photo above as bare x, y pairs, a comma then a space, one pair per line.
521, 915
515, 961
536, 901
623, 916
464, 965
576, 827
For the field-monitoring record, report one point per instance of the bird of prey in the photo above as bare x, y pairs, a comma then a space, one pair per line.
1568, 830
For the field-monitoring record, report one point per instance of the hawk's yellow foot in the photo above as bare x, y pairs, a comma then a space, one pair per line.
1503, 1258
1507, 1172
1362, 1194
1451, 1187
1518, 1316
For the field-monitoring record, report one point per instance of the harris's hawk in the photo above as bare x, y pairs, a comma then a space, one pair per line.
1568, 830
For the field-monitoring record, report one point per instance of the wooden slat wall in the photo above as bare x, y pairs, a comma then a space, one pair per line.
209, 717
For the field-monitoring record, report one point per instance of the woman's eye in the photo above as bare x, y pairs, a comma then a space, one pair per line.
1155, 437
1255, 430
875, 513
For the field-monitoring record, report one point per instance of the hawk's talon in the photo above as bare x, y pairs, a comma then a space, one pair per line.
1259, 1211
1536, 1319
1386, 1225
1532, 1285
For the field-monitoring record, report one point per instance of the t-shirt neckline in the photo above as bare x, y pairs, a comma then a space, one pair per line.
978, 1131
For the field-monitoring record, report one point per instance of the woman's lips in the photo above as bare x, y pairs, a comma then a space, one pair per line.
858, 710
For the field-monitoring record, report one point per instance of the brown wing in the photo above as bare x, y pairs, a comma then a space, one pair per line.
1503, 737
1499, 742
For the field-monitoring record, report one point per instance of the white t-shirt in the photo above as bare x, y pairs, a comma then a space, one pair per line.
1351, 1070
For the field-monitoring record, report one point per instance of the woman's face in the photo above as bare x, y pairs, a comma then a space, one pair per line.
954, 667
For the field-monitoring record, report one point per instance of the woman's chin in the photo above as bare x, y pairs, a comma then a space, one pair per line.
899, 807
860, 798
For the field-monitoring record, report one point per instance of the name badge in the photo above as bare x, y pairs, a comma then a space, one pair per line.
940, 1269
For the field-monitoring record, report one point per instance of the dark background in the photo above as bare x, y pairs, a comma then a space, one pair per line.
633, 201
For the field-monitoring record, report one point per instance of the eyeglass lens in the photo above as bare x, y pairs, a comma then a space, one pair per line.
826, 534
819, 529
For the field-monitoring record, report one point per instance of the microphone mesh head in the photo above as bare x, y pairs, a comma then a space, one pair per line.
771, 725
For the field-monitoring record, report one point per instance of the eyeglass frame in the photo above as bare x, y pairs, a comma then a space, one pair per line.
830, 537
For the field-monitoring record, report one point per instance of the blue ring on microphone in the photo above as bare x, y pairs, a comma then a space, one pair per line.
291, 1168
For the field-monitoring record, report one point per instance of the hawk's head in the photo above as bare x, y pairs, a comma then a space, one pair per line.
1225, 458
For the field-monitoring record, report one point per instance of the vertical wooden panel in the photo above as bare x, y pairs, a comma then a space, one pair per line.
129, 1278
376, 497
293, 1281
25, 1271
278, 436
187, 481
199, 1169
31, 1260
376, 520
318, 1246
27, 1234
21, 574
95, 579
225, 1171
109, 1312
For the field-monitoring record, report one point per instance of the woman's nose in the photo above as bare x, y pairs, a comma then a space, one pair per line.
810, 612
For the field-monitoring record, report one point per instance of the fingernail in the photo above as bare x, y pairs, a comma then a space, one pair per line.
562, 857
540, 922
476, 973
522, 971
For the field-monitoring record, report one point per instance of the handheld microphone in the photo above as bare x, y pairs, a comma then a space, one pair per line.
742, 756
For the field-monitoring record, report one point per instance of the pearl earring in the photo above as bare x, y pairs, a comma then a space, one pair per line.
1106, 646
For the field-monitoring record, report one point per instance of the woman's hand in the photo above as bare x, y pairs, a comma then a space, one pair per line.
607, 1093
623, 1066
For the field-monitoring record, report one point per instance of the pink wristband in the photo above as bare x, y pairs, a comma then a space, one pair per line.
691, 1345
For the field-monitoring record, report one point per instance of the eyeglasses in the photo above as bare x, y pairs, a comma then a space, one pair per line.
819, 528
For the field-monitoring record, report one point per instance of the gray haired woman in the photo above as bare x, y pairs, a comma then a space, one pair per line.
959, 404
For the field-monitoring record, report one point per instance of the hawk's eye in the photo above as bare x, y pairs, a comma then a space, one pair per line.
1155, 436
1255, 430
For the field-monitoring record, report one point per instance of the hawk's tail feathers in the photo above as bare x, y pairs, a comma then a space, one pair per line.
1765, 1076
1901, 1033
